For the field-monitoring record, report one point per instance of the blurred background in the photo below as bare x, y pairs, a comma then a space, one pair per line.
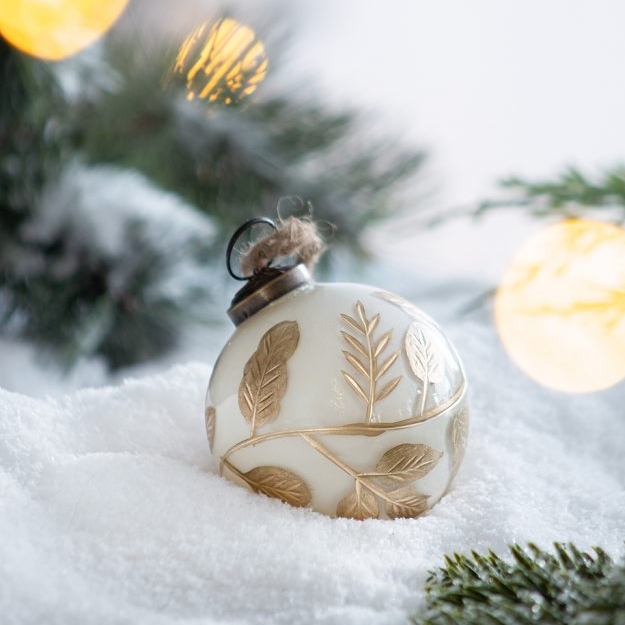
432, 139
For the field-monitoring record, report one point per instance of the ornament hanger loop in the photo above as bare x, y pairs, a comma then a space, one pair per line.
235, 237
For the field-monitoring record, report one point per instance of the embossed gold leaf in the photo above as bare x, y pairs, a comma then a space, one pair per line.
406, 503
373, 323
352, 322
424, 357
384, 340
367, 361
280, 484
355, 343
387, 364
406, 462
265, 376
358, 505
357, 388
209, 421
459, 434
387, 389
357, 364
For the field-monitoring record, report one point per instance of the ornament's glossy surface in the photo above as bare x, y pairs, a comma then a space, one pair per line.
341, 397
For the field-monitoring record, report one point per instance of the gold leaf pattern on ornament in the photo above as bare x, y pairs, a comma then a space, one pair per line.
280, 484
424, 356
209, 421
265, 375
406, 462
405, 503
459, 434
359, 505
366, 359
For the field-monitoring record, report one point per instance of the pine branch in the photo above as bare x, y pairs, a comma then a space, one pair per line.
64, 290
572, 194
238, 161
567, 587
31, 141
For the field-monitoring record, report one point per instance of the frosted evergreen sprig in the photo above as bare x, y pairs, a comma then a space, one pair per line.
129, 303
571, 194
533, 586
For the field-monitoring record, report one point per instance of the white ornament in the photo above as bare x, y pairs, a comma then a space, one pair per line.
340, 397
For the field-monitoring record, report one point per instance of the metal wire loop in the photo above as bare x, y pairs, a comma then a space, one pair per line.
235, 237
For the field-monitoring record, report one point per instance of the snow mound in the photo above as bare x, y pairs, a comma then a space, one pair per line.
111, 511
99, 202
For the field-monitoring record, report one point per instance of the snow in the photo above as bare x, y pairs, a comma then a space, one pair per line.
100, 202
110, 507
111, 511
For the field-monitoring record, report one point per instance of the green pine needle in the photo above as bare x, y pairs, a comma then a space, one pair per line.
572, 194
533, 586
230, 163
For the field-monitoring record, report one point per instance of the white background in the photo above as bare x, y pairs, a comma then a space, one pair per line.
490, 87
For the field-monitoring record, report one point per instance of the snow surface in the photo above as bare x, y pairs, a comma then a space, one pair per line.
111, 511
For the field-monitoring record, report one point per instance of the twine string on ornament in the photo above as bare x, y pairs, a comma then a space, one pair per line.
293, 237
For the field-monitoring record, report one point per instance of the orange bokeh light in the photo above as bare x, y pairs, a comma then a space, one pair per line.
560, 310
223, 63
56, 29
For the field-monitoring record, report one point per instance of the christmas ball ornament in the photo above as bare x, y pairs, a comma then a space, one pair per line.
223, 63
341, 397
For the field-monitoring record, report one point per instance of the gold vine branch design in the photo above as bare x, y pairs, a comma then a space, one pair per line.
404, 463
263, 386
369, 349
398, 465
351, 429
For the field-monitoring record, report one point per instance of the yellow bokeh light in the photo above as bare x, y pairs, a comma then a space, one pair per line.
56, 29
560, 310
223, 63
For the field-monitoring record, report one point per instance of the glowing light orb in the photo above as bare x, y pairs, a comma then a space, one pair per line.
560, 310
56, 29
223, 63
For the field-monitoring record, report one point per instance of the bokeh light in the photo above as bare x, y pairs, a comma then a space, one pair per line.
223, 63
56, 29
560, 310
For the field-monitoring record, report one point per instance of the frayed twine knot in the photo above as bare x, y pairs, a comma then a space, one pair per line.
296, 237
